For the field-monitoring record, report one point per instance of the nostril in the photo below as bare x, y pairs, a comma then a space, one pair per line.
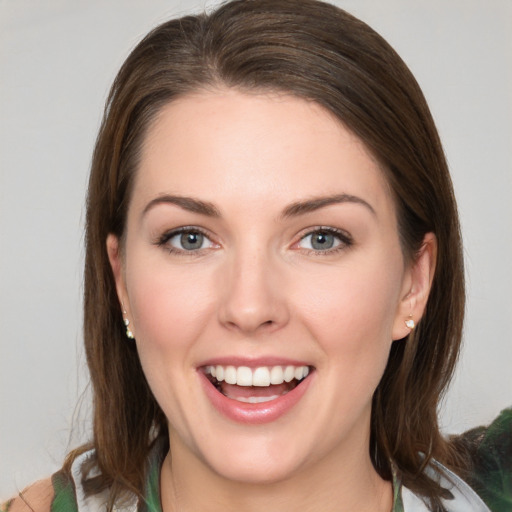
249, 324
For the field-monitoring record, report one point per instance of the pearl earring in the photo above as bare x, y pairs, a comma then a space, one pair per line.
410, 323
129, 333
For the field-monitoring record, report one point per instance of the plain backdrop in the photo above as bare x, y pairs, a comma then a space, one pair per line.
57, 60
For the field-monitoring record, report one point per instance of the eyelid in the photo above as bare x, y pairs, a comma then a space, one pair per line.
343, 236
162, 240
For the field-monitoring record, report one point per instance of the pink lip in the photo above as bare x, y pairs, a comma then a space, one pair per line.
255, 414
253, 362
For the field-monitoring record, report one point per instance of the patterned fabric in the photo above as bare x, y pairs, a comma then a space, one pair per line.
491, 476
65, 497
490, 479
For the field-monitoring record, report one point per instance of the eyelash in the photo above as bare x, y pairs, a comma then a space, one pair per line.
344, 238
163, 241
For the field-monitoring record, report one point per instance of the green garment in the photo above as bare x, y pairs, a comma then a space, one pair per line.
491, 451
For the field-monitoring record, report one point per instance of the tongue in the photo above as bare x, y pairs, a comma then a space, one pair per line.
234, 391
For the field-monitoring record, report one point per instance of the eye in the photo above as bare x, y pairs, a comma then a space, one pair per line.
325, 240
188, 240
185, 240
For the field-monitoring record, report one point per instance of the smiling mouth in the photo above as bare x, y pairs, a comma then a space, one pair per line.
255, 385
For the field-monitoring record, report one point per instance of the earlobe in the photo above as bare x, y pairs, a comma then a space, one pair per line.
116, 262
114, 256
416, 289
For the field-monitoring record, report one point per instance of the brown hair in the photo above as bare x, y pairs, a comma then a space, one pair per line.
315, 51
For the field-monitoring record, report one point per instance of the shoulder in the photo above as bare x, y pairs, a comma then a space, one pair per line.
38, 497
490, 450
54, 494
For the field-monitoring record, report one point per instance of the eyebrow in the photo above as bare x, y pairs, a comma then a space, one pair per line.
311, 205
187, 203
293, 210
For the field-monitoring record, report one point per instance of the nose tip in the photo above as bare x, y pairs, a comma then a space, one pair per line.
250, 320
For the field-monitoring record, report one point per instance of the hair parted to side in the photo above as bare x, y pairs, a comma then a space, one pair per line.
315, 51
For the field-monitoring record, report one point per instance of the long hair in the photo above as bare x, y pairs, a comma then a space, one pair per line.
315, 51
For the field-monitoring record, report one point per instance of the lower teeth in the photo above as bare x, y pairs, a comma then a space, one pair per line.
255, 399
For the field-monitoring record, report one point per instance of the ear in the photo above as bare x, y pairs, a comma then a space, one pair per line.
416, 287
116, 262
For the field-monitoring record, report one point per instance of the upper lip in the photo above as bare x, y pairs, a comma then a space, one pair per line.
253, 362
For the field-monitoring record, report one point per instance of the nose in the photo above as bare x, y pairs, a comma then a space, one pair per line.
253, 293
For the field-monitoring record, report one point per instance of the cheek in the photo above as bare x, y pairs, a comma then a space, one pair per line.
171, 308
351, 310
169, 304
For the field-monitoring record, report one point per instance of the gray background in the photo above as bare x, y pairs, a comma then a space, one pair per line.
57, 60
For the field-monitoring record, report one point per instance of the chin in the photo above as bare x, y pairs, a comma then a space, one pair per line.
264, 455
247, 470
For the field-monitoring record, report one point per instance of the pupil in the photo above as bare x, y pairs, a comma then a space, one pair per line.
191, 241
322, 241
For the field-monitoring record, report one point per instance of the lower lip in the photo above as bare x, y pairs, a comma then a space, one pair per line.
255, 414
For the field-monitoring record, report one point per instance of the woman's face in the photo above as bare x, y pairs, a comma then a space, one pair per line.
262, 245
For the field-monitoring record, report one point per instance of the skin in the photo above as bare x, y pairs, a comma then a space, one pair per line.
37, 497
257, 288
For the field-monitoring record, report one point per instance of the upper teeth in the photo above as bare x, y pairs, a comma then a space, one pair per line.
261, 376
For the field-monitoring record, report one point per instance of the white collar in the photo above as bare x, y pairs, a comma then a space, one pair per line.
464, 498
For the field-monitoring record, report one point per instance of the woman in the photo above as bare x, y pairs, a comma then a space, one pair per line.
274, 282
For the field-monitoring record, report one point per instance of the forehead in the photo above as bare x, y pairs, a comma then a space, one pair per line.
259, 148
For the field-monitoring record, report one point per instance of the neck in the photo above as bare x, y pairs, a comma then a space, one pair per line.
335, 484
